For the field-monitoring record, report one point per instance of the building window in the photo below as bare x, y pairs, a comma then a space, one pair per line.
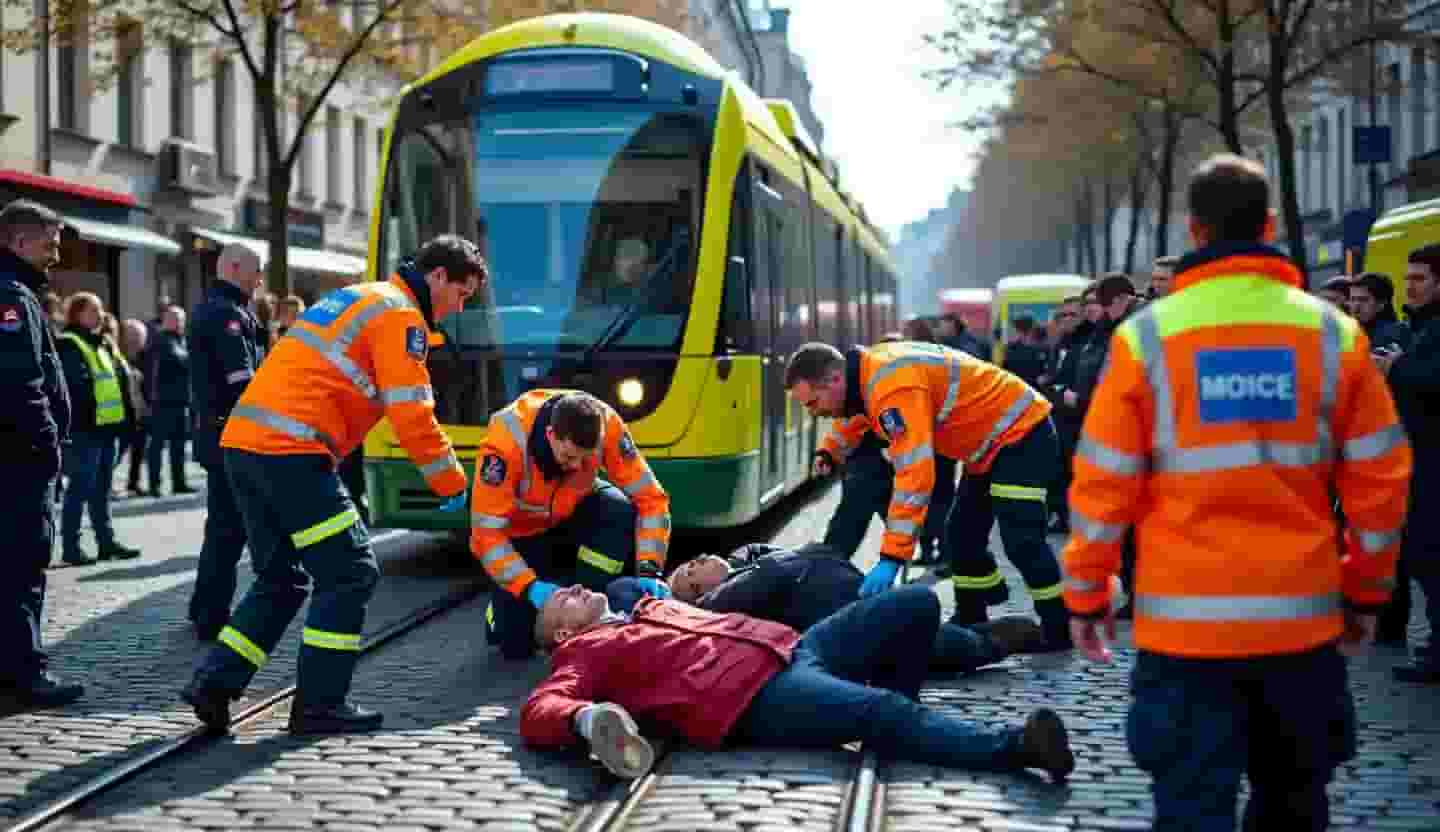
1322, 168
129, 56
1418, 83
224, 119
181, 89
332, 154
361, 162
1393, 91
72, 59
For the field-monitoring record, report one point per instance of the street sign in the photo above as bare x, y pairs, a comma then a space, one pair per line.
1372, 145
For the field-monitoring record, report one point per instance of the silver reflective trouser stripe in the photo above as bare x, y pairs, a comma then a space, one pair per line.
414, 393
905, 527
489, 521
332, 353
909, 498
1006, 421
1103, 456
1094, 529
497, 554
284, 424
1376, 542
898, 364
1236, 607
647, 481
440, 466
913, 456
1373, 445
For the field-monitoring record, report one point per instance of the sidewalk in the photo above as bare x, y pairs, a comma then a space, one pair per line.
123, 504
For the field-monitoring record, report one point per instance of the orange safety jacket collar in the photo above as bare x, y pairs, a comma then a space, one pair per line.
1233, 258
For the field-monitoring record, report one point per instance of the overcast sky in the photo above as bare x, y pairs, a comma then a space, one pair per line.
884, 124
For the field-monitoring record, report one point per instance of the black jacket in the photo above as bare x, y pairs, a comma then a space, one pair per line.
82, 382
224, 354
1415, 381
1026, 361
34, 398
796, 588
167, 371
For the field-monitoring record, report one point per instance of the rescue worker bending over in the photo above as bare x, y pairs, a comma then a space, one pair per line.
840, 682
1231, 411
798, 588
929, 400
541, 515
354, 357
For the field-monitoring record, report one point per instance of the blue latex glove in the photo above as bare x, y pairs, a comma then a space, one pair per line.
881, 577
655, 587
538, 592
455, 503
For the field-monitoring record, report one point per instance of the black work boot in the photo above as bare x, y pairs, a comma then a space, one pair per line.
1011, 634
343, 718
115, 551
211, 703
42, 691
1045, 745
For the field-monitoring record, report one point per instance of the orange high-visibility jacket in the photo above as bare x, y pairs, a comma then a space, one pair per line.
928, 399
512, 498
1230, 412
355, 356
844, 437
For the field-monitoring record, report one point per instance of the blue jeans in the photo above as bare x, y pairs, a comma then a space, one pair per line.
1198, 725
856, 676
89, 465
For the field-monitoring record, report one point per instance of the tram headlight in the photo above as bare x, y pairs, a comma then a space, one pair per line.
631, 392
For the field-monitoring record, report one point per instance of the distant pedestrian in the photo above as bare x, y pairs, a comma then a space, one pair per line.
133, 338
167, 386
35, 414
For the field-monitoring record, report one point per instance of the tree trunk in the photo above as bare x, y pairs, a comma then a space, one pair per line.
1225, 90
277, 275
1137, 209
1107, 216
268, 102
1165, 181
1285, 154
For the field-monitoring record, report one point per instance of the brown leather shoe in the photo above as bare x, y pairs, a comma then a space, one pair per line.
1013, 634
1044, 744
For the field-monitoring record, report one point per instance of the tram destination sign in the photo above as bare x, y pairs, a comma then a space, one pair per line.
565, 74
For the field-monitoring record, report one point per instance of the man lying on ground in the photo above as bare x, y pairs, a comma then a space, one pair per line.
712, 678
800, 587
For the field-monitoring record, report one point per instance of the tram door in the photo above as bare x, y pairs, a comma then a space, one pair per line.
768, 304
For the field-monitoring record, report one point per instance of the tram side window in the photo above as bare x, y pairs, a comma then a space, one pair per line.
737, 324
830, 294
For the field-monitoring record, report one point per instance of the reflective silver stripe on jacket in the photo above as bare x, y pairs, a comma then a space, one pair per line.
1006, 421
489, 521
913, 456
517, 433
498, 553
952, 390
1373, 445
1376, 542
1239, 455
647, 481
239, 376
1094, 529
651, 545
286, 425
334, 348
413, 393
659, 522
894, 366
337, 358
440, 466
905, 527
1236, 607
913, 499
1103, 456
1082, 586
1158, 374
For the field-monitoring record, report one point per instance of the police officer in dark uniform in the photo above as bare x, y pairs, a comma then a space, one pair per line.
224, 354
34, 423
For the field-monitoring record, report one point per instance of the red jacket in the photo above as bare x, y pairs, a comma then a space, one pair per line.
672, 666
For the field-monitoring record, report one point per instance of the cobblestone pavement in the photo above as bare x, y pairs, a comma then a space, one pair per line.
450, 757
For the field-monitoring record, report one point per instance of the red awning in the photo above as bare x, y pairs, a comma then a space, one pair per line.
54, 183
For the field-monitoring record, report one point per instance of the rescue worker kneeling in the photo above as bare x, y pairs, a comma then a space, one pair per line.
541, 514
357, 355
713, 678
799, 588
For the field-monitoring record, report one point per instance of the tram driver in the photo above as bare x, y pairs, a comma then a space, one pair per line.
715, 678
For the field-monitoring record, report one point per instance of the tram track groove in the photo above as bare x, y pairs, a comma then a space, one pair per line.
200, 736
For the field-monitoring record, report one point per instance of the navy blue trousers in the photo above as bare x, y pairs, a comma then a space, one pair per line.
224, 544
27, 525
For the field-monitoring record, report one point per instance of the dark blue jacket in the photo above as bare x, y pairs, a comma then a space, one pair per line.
34, 399
224, 354
794, 587
1415, 382
167, 371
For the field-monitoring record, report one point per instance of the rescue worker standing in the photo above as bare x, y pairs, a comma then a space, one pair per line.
35, 423
541, 515
356, 356
224, 355
1231, 411
928, 400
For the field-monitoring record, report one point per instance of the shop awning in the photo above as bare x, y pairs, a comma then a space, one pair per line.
321, 261
124, 236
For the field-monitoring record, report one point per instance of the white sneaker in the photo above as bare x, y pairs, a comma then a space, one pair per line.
615, 740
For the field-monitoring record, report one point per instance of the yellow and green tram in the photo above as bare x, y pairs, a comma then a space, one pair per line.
658, 235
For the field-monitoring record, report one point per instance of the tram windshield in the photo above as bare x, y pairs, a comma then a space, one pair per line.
588, 215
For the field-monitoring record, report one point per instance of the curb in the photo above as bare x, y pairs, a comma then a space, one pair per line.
134, 506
